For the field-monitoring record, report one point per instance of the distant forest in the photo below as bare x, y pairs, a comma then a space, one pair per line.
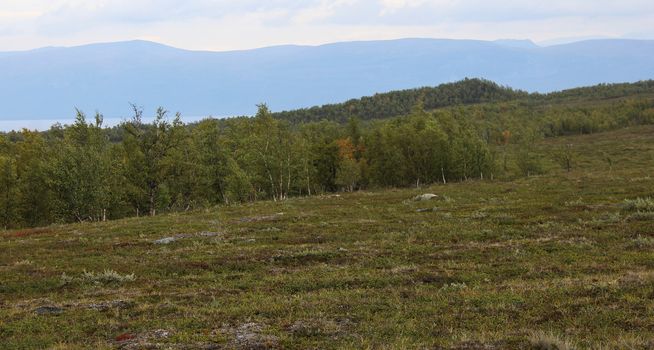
465, 92
454, 132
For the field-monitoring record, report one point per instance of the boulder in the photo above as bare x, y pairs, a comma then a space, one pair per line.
166, 240
48, 310
425, 197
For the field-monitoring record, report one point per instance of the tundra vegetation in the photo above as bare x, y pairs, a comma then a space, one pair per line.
292, 235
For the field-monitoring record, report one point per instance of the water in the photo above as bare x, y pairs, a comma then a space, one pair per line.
45, 124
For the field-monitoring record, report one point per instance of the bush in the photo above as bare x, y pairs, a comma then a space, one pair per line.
638, 205
641, 216
98, 278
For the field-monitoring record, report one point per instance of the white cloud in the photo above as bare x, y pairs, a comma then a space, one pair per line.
321, 11
229, 24
391, 6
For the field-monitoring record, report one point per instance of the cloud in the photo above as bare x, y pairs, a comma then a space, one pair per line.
229, 24
392, 6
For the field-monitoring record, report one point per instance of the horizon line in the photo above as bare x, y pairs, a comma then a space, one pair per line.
538, 44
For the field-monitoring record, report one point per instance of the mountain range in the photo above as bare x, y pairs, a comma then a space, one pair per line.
51, 82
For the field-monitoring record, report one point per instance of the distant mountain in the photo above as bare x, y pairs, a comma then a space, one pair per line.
520, 44
50, 82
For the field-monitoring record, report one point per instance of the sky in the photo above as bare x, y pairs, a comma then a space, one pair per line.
220, 25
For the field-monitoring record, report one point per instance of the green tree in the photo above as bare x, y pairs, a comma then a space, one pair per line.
81, 171
565, 156
221, 179
8, 192
34, 200
271, 145
145, 148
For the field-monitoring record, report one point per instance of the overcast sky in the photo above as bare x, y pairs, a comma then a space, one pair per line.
242, 24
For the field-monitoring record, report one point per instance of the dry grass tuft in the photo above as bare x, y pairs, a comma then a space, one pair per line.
549, 341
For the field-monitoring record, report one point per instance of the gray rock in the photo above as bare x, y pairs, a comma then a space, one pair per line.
425, 197
48, 310
166, 240
209, 234
160, 334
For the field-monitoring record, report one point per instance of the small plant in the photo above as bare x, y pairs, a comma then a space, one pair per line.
65, 279
23, 262
454, 286
642, 242
641, 216
479, 215
548, 341
504, 219
575, 203
638, 205
106, 277
447, 199
606, 218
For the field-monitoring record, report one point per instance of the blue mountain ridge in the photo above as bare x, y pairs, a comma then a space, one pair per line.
50, 82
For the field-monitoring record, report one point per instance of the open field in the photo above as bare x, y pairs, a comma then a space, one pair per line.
487, 265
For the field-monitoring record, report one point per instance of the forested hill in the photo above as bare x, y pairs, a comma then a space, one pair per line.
464, 92
601, 91
395, 103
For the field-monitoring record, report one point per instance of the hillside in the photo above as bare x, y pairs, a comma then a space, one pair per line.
463, 93
49, 83
530, 263
398, 103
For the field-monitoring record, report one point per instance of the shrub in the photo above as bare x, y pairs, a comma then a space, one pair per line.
638, 205
105, 277
641, 216
641, 242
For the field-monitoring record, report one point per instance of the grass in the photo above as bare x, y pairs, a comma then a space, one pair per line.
545, 262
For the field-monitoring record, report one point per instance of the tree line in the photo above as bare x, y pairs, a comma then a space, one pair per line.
76, 173
88, 172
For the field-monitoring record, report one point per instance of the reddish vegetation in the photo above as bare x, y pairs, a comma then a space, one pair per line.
125, 336
32, 231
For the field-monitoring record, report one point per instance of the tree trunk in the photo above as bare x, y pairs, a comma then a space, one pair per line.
153, 211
